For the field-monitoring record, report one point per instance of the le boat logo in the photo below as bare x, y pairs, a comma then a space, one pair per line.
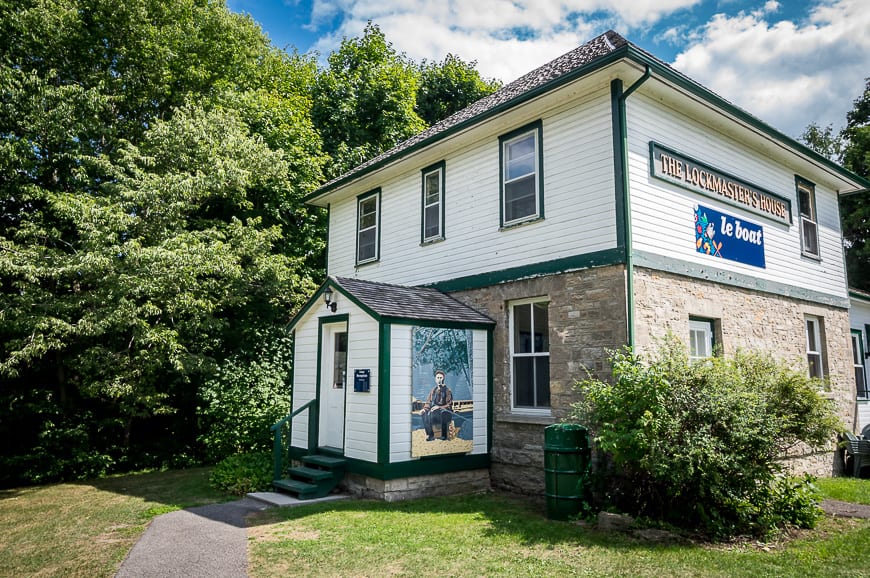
722, 235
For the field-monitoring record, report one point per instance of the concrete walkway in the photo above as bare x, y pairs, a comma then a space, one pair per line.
207, 541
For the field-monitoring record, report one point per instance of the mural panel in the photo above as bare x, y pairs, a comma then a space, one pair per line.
442, 410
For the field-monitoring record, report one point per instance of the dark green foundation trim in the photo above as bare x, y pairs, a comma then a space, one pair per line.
586, 261
695, 271
385, 341
427, 467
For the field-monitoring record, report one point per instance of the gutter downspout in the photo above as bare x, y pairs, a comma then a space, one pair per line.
623, 198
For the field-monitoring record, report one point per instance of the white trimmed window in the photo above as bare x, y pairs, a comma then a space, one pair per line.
433, 203
521, 182
700, 339
530, 354
858, 362
806, 192
368, 227
814, 346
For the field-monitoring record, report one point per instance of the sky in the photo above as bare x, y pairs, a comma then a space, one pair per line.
788, 62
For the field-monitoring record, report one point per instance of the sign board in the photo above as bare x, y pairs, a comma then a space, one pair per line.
722, 235
361, 379
698, 177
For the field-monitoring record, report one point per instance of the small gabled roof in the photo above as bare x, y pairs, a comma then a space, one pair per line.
408, 303
593, 55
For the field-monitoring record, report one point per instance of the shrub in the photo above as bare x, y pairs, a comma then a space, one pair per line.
243, 473
700, 444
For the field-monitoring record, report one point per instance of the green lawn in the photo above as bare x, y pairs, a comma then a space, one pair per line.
86, 529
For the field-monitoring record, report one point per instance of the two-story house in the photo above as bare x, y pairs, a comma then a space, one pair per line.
603, 199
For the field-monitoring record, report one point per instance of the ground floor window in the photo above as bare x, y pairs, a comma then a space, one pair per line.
700, 338
814, 346
530, 354
858, 361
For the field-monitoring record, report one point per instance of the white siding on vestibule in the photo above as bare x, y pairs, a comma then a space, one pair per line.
578, 205
361, 409
859, 320
401, 356
662, 213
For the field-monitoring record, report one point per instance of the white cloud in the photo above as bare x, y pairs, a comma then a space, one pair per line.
506, 37
788, 74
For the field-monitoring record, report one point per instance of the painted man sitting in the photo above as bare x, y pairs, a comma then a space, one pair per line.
438, 408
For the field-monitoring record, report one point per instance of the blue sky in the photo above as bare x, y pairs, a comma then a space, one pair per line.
788, 62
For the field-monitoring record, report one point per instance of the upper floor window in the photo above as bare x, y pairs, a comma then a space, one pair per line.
368, 222
433, 203
522, 191
530, 354
700, 339
814, 346
806, 192
858, 362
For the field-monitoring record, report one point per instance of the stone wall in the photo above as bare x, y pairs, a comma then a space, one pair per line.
746, 319
454, 483
586, 316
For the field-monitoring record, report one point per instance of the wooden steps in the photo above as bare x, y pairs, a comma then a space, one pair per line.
315, 478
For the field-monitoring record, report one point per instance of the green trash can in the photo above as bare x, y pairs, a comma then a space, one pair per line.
566, 469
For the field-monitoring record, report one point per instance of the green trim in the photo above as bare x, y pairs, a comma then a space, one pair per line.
359, 200
724, 277
712, 323
859, 296
437, 323
699, 190
490, 412
537, 128
619, 162
384, 415
585, 261
326, 251
627, 52
810, 187
442, 167
867, 337
292, 367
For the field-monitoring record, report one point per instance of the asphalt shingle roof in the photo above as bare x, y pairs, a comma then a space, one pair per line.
421, 303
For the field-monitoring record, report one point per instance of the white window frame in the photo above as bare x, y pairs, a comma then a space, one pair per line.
534, 409
815, 351
858, 357
535, 131
700, 333
361, 202
427, 205
809, 228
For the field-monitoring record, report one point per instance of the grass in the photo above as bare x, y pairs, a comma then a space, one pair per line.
499, 535
86, 529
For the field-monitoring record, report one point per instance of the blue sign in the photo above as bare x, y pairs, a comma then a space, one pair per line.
361, 379
725, 236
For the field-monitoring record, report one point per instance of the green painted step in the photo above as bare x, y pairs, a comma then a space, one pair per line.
302, 490
311, 473
324, 461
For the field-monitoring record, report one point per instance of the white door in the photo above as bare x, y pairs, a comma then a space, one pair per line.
333, 385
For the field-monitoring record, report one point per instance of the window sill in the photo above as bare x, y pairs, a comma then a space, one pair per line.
516, 224
534, 419
811, 257
365, 263
431, 241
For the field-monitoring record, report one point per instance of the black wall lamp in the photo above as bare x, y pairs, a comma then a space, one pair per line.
328, 295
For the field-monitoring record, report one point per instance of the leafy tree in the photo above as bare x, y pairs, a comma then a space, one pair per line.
153, 155
699, 444
364, 101
449, 86
855, 209
824, 141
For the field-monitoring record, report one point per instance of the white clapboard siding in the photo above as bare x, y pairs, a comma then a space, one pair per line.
361, 416
859, 319
662, 213
401, 358
401, 355
578, 206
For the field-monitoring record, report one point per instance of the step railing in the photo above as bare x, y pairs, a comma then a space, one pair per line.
283, 431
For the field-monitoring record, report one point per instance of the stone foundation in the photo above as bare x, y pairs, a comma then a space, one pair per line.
587, 316
451, 484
